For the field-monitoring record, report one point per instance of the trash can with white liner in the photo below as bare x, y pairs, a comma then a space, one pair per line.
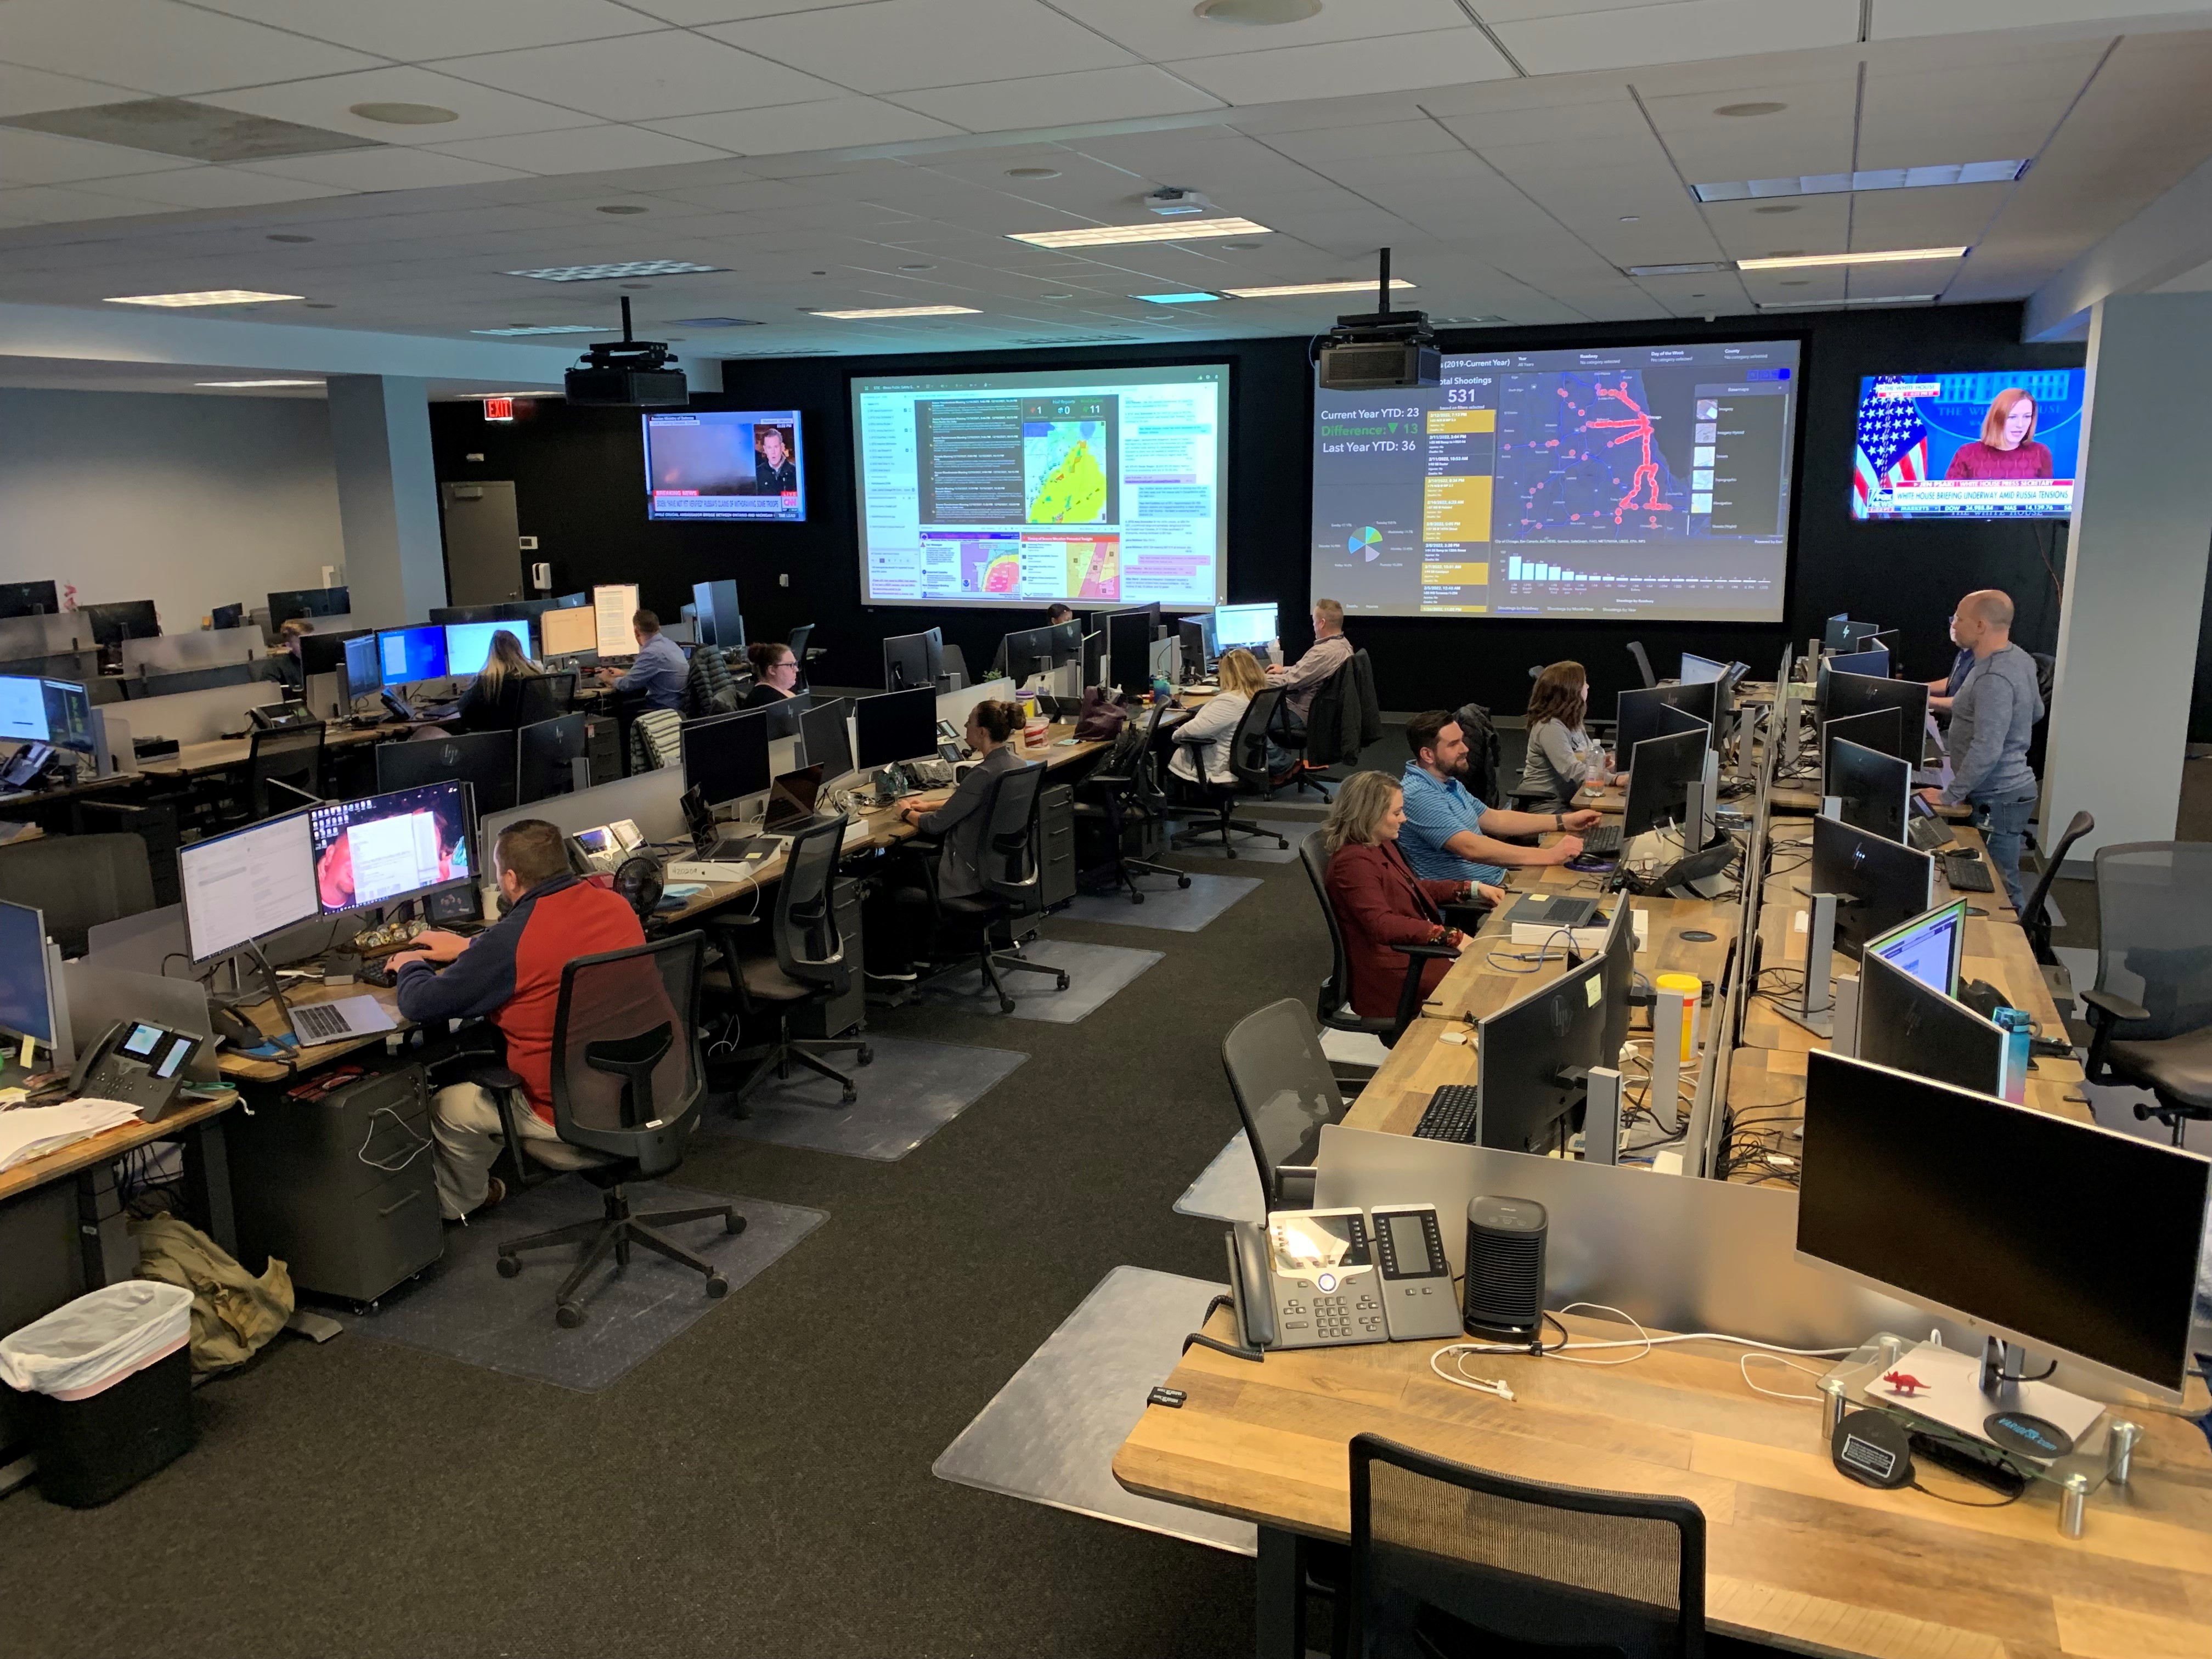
110, 1382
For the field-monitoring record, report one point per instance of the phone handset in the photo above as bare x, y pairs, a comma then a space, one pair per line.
1249, 1286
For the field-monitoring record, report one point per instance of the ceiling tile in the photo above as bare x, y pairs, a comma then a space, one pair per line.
44, 205
29, 92
895, 45
643, 77
826, 123
210, 187
43, 158
1443, 57
411, 30
583, 149
328, 101
691, 12
1164, 33
1057, 100
1954, 216
1905, 19
395, 169
156, 46
1685, 32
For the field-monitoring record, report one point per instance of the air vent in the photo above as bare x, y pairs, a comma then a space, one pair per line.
199, 132
713, 322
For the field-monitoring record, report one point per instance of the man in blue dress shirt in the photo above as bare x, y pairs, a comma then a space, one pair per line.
1447, 832
661, 667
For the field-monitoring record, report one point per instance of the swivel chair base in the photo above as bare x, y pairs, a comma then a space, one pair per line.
807, 1051
991, 960
617, 1230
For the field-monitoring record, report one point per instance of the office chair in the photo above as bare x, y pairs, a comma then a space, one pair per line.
1248, 761
1295, 743
1013, 888
809, 965
1284, 1093
954, 660
1335, 1011
1124, 795
2036, 919
290, 760
545, 697
1449, 1560
1643, 662
78, 882
801, 650
656, 739
628, 1081
709, 688
2154, 976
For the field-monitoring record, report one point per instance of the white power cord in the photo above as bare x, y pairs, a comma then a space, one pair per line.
1644, 1343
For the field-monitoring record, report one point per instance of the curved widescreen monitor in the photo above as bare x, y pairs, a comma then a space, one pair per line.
2000, 444
1098, 487
1649, 481
725, 464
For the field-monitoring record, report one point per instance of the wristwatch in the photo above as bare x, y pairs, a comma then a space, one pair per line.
1561, 819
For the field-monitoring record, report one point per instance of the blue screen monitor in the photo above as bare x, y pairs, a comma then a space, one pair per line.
1995, 444
1929, 947
1252, 625
27, 1004
468, 645
405, 655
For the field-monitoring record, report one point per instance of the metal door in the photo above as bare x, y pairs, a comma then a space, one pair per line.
484, 557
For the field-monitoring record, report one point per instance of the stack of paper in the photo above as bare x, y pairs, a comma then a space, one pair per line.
30, 1132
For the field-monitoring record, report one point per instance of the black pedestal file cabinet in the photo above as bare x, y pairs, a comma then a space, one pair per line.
339, 1186
838, 1015
1056, 833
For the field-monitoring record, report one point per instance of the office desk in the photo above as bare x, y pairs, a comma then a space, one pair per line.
245, 1069
207, 1172
1797, 1555
194, 760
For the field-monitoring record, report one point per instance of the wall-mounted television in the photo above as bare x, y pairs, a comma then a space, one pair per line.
725, 464
1999, 443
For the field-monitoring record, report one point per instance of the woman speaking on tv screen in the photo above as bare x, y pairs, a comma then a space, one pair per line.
2006, 448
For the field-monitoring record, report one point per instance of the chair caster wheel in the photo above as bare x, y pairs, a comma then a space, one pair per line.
1282, 844
1063, 982
508, 1267
717, 1288
1006, 1005
569, 1315
866, 1056
1182, 881
1136, 898
733, 1223
851, 1094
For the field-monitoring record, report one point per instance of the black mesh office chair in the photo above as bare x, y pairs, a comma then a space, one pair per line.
628, 1081
1335, 1011
1284, 1093
545, 697
809, 966
78, 882
799, 648
1643, 662
2036, 918
2151, 1008
980, 925
1449, 1562
1248, 763
285, 769
1124, 795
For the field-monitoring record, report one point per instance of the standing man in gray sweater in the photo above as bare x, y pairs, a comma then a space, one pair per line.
1991, 720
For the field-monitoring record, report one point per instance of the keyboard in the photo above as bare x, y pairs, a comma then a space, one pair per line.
1965, 873
1453, 1113
1602, 842
1929, 835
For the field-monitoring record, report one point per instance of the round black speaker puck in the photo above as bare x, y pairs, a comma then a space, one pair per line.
1696, 936
1872, 1448
2018, 1431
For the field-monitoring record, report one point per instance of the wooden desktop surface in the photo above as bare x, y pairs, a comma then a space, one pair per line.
220, 754
1797, 1555
109, 1144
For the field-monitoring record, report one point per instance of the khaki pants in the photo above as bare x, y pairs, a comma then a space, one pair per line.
465, 1124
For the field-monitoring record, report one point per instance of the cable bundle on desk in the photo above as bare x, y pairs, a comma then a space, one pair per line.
1644, 1342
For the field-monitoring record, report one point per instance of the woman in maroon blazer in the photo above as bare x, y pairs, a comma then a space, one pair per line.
1378, 900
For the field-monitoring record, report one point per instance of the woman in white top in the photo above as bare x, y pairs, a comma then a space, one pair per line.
1562, 755
1205, 736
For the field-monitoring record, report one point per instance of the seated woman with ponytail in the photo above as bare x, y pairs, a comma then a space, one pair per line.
895, 933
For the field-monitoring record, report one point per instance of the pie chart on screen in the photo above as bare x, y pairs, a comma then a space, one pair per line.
1367, 543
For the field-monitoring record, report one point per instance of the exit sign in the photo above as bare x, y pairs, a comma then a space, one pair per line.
499, 409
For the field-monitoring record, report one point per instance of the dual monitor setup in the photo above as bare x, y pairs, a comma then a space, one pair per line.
1123, 650
729, 758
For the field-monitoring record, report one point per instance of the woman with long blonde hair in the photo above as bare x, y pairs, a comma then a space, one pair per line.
1207, 735
493, 701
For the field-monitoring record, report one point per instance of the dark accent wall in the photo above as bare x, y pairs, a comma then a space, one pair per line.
580, 489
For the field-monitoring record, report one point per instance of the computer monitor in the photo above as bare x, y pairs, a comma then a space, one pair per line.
1067, 642
405, 655
363, 667
1196, 635
898, 725
68, 715
1619, 954
1025, 652
727, 759
568, 631
27, 998
246, 886
1660, 773
826, 738
123, 619
485, 761
1842, 633
1878, 882
1696, 670
1094, 656
227, 615
446, 614
1639, 710
22, 708
913, 660
1861, 694
309, 602
791, 798
468, 645
1910, 1027
31, 599
545, 756
719, 621
1929, 947
2074, 1241
1129, 651
573, 602
326, 653
1879, 729
1252, 625
387, 847
1873, 662
1523, 1052
1874, 791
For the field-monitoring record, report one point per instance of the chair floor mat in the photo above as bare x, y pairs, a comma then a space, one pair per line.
1049, 1435
1170, 909
462, 1309
1095, 972
911, 1090
1258, 848
1228, 1188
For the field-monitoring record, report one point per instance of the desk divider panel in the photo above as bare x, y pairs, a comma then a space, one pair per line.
651, 799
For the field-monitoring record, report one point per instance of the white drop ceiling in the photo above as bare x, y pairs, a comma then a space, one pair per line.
1516, 155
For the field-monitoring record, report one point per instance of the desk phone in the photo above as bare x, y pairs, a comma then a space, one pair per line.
1315, 1278
136, 1061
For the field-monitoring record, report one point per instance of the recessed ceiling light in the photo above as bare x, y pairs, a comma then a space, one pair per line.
319, 304
214, 296
1055, 296
1184, 230
1841, 183
1287, 290
1704, 269
817, 273
620, 207
1826, 304
1787, 207
917, 267
543, 328
1244, 247
626, 268
904, 311
1175, 299
250, 383
404, 115
1889, 257
1032, 172
279, 238
1256, 12
1630, 218
1750, 109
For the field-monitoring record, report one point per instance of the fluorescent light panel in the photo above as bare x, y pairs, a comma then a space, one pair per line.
1832, 305
602, 273
249, 383
214, 296
1175, 299
1182, 230
903, 311
1894, 256
548, 328
1839, 184
1705, 269
1286, 290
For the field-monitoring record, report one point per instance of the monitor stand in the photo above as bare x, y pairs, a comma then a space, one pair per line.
1816, 1008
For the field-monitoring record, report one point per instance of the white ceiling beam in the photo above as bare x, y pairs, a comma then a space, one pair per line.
2172, 236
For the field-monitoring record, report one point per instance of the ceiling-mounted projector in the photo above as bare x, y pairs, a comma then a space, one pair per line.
627, 374
1381, 349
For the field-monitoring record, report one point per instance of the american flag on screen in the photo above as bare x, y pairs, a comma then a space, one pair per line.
1893, 442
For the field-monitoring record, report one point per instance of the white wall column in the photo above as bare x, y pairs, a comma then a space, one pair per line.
2134, 577
387, 496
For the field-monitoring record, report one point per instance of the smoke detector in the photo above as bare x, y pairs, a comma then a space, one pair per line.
1171, 203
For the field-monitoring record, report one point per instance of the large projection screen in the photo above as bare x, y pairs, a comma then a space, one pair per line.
1646, 482
1098, 487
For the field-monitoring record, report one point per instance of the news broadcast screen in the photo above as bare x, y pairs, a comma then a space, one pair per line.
2000, 444
725, 464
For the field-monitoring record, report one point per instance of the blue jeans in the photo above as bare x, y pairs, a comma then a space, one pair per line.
1279, 759
2004, 826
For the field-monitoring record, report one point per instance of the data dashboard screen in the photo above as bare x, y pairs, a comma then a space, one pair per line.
1103, 487
1627, 481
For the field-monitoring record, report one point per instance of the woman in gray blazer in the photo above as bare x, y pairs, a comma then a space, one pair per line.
956, 820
